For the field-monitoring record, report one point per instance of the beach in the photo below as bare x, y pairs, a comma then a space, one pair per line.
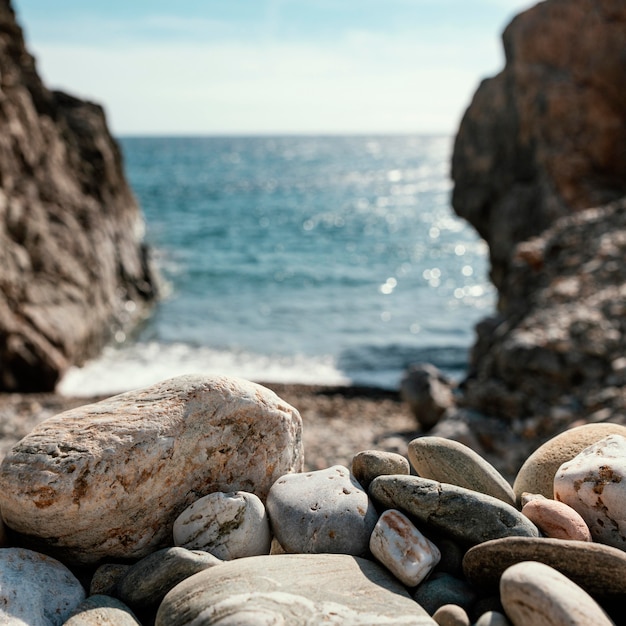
338, 421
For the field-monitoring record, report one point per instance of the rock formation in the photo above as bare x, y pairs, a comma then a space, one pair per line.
541, 144
73, 268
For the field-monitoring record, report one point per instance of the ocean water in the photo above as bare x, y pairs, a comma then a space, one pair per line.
328, 260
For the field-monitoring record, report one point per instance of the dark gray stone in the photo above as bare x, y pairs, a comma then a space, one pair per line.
441, 589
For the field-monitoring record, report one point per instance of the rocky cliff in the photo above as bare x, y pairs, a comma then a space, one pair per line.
73, 267
540, 145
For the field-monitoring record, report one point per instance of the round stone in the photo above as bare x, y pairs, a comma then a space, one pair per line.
368, 464
451, 615
537, 473
322, 511
534, 594
228, 525
556, 519
102, 610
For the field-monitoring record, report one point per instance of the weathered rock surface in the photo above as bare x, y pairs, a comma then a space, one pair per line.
587, 564
36, 589
460, 514
593, 483
73, 268
295, 589
534, 594
322, 511
109, 479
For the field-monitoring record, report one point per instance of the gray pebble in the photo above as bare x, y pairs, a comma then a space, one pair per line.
369, 464
105, 578
441, 589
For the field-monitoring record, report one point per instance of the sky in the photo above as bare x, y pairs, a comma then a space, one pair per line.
249, 67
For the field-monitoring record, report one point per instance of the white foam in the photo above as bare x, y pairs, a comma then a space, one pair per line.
138, 365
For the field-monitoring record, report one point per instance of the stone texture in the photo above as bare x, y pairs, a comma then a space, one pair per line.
228, 525
322, 511
556, 520
428, 392
368, 464
593, 484
493, 618
441, 589
108, 480
597, 568
102, 610
534, 594
402, 548
145, 584
537, 473
73, 268
105, 578
295, 589
463, 515
452, 462
451, 615
36, 589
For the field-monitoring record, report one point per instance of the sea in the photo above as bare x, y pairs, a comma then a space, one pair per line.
329, 260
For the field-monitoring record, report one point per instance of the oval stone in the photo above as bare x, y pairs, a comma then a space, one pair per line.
537, 473
449, 461
322, 511
599, 569
534, 594
594, 484
368, 464
228, 525
36, 589
294, 589
107, 480
146, 582
556, 519
461, 514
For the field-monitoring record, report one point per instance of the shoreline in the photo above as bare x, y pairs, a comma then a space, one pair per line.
338, 420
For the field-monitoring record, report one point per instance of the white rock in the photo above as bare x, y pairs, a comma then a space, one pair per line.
593, 483
108, 480
35, 589
534, 594
228, 525
402, 548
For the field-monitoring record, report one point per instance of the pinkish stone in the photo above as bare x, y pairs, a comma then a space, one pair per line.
556, 519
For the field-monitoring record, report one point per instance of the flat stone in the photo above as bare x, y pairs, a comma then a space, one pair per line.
599, 569
107, 480
556, 519
593, 483
368, 464
102, 610
461, 514
402, 548
146, 582
534, 594
451, 462
537, 473
322, 511
36, 589
228, 525
294, 589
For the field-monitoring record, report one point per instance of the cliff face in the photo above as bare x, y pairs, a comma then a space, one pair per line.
547, 136
540, 144
73, 268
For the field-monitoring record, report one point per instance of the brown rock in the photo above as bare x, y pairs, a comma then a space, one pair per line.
73, 269
598, 569
109, 479
428, 392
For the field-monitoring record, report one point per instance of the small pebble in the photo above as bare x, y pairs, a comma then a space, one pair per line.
441, 589
102, 610
493, 618
451, 615
534, 594
556, 519
228, 525
369, 464
402, 548
105, 578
